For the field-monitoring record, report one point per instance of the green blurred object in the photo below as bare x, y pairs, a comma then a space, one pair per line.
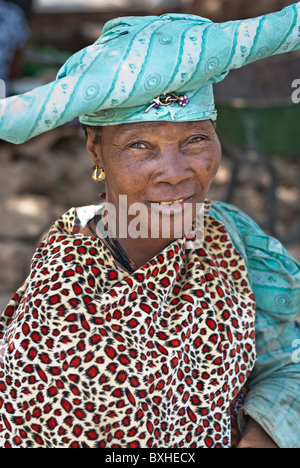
258, 121
271, 131
255, 107
37, 60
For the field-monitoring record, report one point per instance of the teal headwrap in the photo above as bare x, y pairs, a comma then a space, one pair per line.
115, 80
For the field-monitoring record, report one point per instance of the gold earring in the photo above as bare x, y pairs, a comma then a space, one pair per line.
98, 175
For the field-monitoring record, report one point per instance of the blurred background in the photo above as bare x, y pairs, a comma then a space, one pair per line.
40, 180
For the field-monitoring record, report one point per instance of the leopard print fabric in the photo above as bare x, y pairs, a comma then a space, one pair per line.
95, 357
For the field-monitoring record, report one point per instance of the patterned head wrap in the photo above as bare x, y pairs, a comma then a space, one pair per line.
137, 59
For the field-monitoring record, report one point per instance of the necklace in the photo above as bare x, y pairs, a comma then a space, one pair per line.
117, 251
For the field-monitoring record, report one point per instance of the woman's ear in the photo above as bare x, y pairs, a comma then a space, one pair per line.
93, 145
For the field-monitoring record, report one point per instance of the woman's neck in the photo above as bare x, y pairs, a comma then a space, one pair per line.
140, 251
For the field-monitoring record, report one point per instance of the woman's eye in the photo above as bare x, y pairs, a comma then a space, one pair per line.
138, 145
197, 139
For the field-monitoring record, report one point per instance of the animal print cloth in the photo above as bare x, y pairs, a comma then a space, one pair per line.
96, 357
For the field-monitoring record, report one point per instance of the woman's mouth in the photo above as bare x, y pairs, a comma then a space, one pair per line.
172, 206
175, 202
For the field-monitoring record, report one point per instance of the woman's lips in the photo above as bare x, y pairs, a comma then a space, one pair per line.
172, 207
172, 202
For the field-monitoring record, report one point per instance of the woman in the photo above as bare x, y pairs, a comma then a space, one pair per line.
130, 337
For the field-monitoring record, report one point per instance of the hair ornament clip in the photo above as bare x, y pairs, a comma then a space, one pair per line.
168, 99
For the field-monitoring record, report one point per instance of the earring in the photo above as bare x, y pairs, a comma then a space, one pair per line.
98, 175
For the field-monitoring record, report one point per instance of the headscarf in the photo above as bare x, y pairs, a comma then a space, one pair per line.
139, 59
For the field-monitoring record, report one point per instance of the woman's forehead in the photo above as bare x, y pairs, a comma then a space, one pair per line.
157, 128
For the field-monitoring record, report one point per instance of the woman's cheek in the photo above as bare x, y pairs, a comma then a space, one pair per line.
128, 182
214, 160
209, 166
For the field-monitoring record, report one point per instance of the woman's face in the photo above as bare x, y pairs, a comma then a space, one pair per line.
158, 162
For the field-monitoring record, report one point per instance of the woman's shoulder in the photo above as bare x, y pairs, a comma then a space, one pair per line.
74, 220
245, 231
232, 215
274, 273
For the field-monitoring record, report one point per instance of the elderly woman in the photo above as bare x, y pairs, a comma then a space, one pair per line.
127, 334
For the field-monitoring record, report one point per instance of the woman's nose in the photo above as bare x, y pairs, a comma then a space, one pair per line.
172, 169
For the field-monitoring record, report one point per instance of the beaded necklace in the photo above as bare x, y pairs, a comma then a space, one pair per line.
117, 251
